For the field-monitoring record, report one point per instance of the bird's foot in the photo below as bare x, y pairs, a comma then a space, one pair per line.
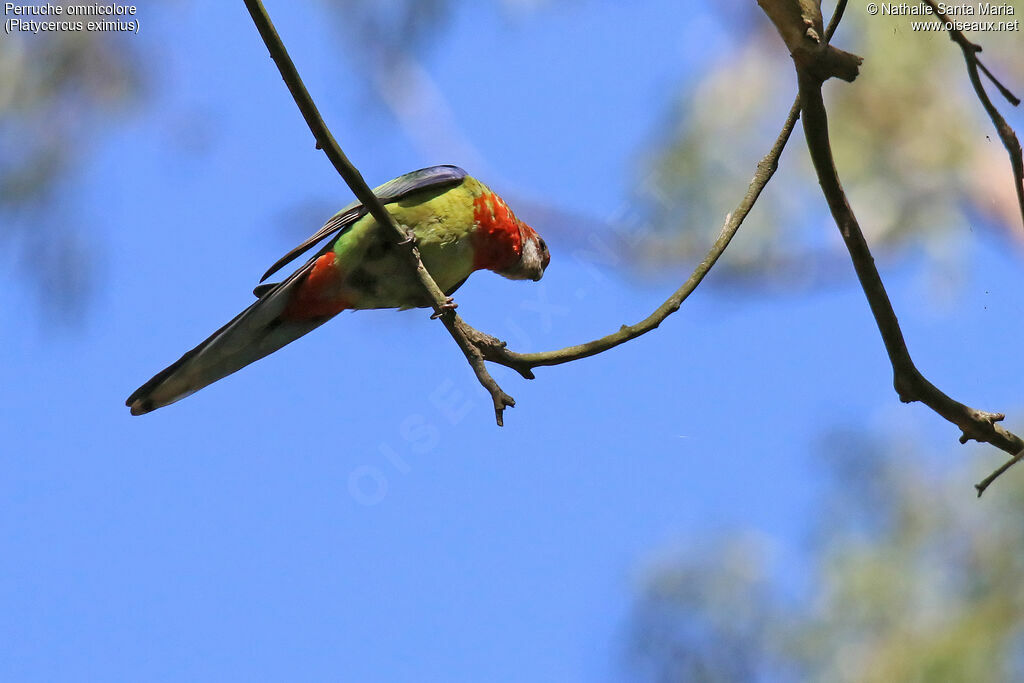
410, 237
448, 305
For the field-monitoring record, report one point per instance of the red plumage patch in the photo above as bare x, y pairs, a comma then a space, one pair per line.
317, 296
498, 242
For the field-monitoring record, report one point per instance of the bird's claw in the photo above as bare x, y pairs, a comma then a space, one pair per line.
448, 305
410, 237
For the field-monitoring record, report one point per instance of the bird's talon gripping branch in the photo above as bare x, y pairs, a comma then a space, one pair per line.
410, 237
448, 306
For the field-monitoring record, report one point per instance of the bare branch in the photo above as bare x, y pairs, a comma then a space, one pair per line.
443, 307
909, 383
1005, 131
524, 363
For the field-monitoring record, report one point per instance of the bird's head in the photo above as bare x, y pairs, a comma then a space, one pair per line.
505, 244
533, 256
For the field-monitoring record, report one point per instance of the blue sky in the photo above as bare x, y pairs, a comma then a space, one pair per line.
346, 509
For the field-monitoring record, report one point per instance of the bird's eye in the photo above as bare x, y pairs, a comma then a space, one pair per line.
540, 240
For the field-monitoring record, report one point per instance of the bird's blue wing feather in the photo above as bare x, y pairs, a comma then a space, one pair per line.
390, 192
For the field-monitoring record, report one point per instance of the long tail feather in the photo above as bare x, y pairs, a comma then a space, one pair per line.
254, 333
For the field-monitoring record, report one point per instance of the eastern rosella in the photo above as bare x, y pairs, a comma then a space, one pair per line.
460, 227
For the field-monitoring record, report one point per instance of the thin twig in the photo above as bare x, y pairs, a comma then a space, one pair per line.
325, 141
524, 363
909, 383
1005, 131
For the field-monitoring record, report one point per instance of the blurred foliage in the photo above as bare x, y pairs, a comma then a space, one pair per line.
57, 92
909, 579
915, 149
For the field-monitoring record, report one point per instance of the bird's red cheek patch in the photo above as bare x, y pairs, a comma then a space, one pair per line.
317, 296
497, 239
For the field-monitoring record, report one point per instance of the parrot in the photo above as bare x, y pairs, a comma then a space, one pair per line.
459, 224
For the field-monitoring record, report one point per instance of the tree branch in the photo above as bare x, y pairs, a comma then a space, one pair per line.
1005, 131
524, 363
799, 23
443, 308
909, 383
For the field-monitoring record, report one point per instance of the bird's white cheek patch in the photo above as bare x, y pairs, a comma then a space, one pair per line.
532, 266
529, 265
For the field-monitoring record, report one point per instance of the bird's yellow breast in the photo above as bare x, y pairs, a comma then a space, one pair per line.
376, 276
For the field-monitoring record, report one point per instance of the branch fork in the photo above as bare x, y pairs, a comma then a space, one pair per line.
908, 381
1006, 133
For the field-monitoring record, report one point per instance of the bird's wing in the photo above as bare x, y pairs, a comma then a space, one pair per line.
390, 192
